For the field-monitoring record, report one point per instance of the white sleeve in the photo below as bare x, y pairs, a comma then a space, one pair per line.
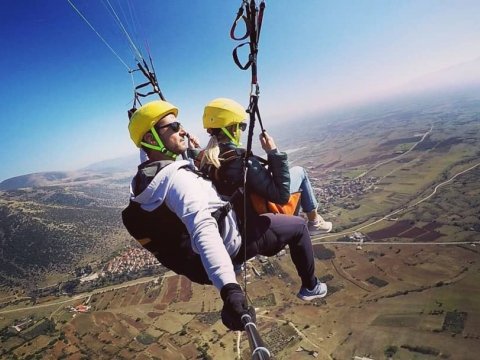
188, 199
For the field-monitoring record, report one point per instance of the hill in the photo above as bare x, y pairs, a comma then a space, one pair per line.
122, 164
50, 230
102, 170
34, 180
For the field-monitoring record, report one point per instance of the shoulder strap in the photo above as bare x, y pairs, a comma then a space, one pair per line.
261, 160
238, 153
232, 154
213, 173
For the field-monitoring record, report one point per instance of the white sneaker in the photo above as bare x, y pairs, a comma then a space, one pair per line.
319, 291
320, 225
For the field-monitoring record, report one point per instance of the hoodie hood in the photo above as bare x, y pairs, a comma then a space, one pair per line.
156, 183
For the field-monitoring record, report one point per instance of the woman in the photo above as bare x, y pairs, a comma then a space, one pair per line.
224, 120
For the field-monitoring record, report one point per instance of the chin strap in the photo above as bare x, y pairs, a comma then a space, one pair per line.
160, 147
235, 139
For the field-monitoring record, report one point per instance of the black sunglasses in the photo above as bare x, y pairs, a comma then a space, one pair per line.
175, 126
242, 126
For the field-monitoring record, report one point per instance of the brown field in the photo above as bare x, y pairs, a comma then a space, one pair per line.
391, 231
430, 236
153, 315
170, 289
104, 300
150, 295
130, 296
432, 226
138, 325
185, 292
160, 306
405, 229
413, 232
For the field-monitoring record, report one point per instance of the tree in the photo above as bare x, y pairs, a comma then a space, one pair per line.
390, 351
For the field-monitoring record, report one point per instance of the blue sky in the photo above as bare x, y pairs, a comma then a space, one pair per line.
64, 95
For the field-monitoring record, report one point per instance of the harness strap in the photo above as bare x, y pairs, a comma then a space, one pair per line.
222, 212
235, 23
234, 154
237, 61
152, 81
253, 25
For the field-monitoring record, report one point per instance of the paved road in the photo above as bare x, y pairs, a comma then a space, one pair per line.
81, 296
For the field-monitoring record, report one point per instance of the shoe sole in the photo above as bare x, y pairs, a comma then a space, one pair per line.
312, 297
319, 231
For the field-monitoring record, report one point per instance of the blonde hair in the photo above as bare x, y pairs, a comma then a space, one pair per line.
211, 153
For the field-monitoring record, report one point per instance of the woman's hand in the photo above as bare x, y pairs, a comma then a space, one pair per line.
267, 142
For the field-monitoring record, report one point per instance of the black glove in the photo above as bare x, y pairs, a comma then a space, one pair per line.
234, 307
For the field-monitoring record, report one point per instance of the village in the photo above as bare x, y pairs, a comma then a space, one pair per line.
341, 187
131, 261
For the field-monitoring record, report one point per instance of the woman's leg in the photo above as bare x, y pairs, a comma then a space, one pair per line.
299, 181
267, 234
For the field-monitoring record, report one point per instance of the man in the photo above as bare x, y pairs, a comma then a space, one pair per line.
177, 215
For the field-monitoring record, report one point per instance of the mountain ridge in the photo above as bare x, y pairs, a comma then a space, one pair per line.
111, 168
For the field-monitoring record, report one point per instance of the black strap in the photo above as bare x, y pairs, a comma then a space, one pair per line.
235, 23
222, 212
253, 19
253, 25
237, 61
152, 81
237, 153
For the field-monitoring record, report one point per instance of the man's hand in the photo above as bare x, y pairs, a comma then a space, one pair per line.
234, 307
267, 142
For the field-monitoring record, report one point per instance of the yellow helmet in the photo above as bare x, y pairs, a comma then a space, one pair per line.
145, 117
221, 112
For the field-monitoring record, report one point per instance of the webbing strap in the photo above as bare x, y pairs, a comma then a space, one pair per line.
253, 18
235, 23
152, 81
253, 25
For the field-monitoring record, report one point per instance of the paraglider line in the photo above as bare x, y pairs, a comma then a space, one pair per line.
98, 34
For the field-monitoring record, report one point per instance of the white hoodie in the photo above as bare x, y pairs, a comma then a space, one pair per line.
193, 199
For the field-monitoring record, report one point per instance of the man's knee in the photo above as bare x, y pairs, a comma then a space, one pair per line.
293, 225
